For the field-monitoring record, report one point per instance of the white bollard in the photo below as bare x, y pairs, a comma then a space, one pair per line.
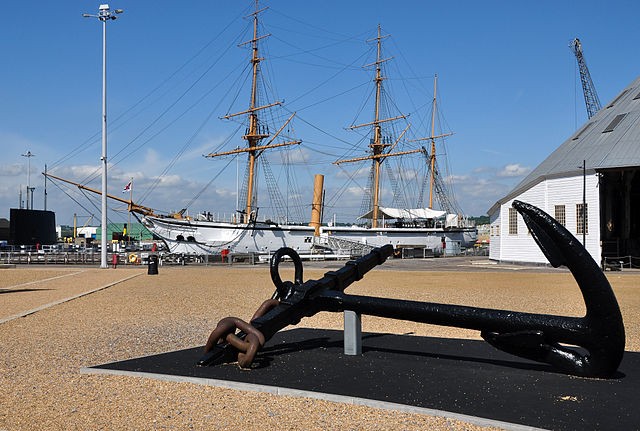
352, 333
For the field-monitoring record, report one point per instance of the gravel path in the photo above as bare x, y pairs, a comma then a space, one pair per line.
132, 314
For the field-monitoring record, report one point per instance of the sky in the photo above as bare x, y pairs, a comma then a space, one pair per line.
508, 88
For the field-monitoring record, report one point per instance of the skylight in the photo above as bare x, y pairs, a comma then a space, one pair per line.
584, 129
618, 118
617, 98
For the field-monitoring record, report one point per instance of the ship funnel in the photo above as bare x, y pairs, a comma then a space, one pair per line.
316, 205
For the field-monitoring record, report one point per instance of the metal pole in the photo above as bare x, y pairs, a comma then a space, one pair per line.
30, 189
45, 187
104, 14
103, 158
584, 203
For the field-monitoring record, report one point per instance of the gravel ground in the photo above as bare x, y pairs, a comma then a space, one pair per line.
127, 313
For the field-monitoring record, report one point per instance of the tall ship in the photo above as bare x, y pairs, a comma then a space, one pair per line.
407, 222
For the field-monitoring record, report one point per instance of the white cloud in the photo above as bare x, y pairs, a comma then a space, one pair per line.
11, 170
514, 170
171, 180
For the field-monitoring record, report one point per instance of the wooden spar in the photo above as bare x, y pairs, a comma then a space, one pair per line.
131, 206
428, 138
268, 145
376, 122
246, 150
433, 143
378, 156
252, 110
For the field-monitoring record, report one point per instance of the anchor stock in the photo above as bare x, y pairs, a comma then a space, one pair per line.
540, 337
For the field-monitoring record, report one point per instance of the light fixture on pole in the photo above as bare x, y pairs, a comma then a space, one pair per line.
104, 14
30, 190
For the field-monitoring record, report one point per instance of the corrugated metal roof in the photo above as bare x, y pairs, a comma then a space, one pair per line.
610, 139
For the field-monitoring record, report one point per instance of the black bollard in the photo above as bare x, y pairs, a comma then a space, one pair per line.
153, 265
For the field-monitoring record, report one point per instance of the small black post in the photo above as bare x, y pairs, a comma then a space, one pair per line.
153, 265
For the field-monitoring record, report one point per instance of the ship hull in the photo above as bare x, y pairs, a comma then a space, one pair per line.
209, 237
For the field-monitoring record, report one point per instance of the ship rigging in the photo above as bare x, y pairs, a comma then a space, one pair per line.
415, 224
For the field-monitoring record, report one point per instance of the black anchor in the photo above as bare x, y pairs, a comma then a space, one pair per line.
590, 346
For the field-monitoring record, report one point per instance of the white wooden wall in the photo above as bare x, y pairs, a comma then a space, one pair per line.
546, 195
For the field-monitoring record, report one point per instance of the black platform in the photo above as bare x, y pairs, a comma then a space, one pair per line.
464, 377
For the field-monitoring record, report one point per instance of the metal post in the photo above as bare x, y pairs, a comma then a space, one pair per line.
584, 203
45, 187
352, 333
30, 189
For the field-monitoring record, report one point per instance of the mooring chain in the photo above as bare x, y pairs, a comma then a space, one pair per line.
250, 339
226, 332
248, 342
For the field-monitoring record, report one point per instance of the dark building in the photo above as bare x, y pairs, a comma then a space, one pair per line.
31, 227
4, 229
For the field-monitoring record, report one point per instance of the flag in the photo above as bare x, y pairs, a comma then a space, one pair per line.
127, 188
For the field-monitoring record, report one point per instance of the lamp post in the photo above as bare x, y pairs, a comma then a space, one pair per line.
104, 14
30, 190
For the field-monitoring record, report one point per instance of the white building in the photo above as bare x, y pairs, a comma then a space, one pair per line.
609, 146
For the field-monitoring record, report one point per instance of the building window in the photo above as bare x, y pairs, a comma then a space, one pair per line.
560, 215
513, 221
582, 219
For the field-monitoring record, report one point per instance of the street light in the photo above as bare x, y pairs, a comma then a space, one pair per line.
30, 190
104, 14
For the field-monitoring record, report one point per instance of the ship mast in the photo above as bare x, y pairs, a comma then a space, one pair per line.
378, 145
432, 164
255, 133
253, 137
432, 139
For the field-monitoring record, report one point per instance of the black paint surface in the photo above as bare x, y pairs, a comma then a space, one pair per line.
462, 376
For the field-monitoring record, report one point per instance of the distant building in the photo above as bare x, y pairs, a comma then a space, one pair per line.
4, 229
118, 231
609, 146
115, 231
32, 227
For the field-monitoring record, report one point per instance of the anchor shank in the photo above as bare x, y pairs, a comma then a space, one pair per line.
562, 329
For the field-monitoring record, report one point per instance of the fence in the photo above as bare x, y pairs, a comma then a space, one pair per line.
620, 262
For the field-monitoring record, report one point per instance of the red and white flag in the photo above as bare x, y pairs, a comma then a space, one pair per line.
127, 188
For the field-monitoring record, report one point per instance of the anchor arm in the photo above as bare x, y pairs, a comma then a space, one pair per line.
602, 329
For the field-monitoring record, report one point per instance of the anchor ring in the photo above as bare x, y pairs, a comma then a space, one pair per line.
285, 288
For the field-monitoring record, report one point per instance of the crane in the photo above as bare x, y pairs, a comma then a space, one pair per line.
590, 96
